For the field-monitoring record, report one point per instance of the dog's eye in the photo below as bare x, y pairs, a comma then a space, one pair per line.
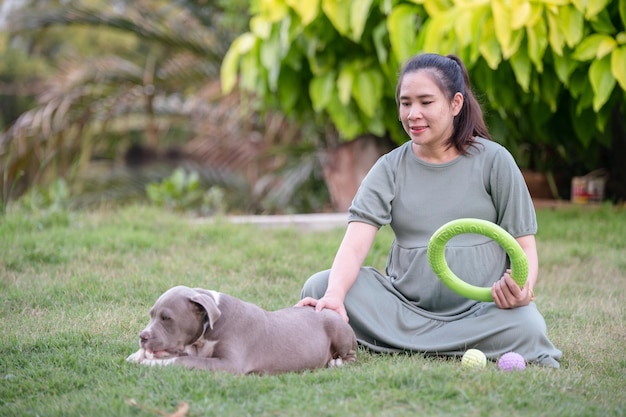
166, 318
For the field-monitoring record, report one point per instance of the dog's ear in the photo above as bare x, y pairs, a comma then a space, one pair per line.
207, 303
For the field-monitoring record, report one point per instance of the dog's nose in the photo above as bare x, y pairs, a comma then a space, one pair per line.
144, 336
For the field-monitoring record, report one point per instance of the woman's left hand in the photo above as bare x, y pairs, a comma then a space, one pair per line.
507, 294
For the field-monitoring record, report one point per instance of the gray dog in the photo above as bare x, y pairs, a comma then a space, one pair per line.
205, 329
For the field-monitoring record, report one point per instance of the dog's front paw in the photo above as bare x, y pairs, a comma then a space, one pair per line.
158, 362
137, 357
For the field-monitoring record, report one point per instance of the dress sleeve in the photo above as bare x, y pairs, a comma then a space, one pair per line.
514, 206
372, 202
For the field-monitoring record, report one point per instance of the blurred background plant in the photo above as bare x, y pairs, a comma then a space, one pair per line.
113, 96
551, 75
54, 197
183, 192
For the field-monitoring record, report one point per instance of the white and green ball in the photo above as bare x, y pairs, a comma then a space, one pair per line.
474, 358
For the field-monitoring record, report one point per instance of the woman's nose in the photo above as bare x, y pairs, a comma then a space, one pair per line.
414, 113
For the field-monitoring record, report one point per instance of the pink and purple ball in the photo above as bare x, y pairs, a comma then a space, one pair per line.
511, 361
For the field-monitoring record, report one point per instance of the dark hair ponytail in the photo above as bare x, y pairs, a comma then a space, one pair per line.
450, 74
469, 122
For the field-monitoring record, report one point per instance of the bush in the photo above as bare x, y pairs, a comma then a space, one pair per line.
183, 192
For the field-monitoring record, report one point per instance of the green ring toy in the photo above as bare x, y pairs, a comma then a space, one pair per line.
437, 258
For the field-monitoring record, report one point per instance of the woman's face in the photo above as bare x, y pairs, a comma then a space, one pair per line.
426, 113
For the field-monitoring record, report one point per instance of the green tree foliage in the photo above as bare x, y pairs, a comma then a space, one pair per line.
20, 77
123, 72
553, 72
146, 72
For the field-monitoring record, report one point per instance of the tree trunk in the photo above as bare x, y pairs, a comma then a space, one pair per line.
345, 166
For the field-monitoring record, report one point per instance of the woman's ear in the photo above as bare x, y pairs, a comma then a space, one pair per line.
457, 103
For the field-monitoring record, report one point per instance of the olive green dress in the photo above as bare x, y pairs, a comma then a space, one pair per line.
408, 308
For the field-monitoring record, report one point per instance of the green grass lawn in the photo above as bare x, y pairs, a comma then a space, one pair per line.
75, 290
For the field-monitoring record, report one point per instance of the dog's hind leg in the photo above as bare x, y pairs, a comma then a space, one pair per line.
343, 347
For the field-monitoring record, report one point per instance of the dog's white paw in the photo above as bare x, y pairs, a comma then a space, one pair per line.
335, 363
137, 357
158, 362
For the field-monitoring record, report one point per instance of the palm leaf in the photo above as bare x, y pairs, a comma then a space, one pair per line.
176, 28
93, 106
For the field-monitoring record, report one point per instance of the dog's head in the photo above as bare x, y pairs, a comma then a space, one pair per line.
179, 318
